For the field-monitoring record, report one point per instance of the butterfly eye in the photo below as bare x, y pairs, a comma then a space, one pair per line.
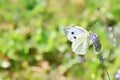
72, 32
74, 37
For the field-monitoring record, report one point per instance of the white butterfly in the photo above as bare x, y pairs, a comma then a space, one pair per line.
79, 38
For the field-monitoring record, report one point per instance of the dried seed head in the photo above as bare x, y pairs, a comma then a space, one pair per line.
81, 59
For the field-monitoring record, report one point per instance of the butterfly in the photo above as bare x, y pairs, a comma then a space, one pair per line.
80, 40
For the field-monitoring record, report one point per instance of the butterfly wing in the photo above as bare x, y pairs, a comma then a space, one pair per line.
80, 45
73, 32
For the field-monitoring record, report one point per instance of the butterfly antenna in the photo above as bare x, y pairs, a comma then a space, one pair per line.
99, 17
93, 28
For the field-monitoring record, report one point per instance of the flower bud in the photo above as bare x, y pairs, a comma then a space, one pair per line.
118, 75
96, 42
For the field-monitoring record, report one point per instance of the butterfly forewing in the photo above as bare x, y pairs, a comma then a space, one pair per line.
73, 32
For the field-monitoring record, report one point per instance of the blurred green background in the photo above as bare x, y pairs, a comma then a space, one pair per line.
33, 45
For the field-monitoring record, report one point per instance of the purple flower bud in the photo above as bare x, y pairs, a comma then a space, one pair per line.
96, 42
95, 38
118, 75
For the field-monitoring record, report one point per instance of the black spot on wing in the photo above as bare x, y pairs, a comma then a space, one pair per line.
74, 37
72, 32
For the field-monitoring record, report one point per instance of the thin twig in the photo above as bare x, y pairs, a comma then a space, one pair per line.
102, 62
107, 72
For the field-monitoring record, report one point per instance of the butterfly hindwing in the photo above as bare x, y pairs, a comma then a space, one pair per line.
80, 45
